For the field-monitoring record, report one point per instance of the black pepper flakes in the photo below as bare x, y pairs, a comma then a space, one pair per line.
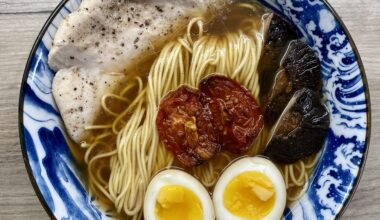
159, 9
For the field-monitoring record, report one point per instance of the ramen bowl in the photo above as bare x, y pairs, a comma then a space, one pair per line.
60, 185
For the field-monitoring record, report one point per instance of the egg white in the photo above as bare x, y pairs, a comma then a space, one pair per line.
177, 177
258, 164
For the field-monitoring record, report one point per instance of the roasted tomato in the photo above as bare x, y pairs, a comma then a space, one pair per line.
186, 127
234, 111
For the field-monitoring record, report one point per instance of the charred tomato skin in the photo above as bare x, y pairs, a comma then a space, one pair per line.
235, 112
186, 127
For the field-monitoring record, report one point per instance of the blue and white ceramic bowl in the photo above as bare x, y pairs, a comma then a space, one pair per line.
60, 186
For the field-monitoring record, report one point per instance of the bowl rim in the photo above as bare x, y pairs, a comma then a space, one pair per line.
56, 11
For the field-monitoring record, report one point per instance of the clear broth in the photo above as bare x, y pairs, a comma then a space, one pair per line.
228, 20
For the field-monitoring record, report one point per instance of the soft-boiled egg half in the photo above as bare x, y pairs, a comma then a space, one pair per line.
250, 188
174, 194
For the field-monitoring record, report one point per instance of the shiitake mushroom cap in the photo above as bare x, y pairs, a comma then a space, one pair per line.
301, 129
300, 68
280, 32
277, 38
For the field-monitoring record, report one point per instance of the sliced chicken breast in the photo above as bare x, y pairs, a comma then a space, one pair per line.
112, 35
78, 93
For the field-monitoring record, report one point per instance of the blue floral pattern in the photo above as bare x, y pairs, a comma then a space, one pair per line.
62, 187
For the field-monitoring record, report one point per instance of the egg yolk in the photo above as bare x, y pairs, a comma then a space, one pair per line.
250, 195
177, 202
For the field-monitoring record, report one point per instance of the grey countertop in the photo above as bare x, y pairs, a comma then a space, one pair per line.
20, 23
